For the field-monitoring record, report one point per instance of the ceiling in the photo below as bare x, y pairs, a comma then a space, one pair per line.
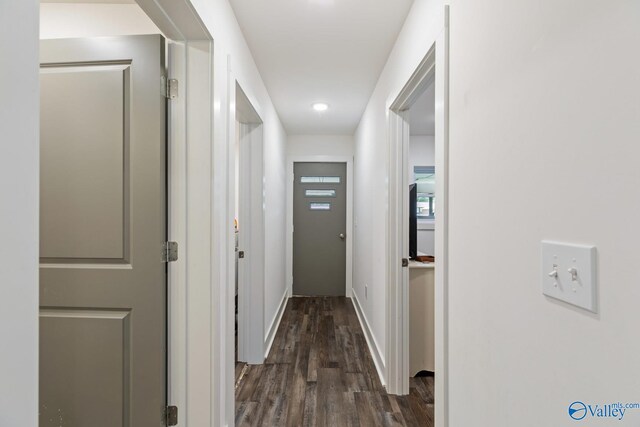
422, 115
330, 51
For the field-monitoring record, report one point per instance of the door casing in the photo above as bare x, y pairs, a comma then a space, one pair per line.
434, 66
248, 128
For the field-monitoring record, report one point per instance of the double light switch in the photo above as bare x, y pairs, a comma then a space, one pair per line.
569, 273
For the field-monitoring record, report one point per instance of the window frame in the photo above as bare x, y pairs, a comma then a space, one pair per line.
430, 217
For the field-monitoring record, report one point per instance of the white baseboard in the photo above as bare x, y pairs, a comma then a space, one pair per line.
378, 359
275, 323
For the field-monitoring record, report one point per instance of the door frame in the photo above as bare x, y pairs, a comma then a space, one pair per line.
191, 362
246, 127
193, 371
433, 67
349, 240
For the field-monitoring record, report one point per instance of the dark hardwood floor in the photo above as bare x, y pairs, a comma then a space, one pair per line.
320, 373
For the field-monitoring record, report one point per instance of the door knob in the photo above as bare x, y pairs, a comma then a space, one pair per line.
341, 236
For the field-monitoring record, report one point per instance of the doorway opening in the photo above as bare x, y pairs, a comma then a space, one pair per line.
292, 181
418, 231
249, 230
319, 229
422, 200
185, 49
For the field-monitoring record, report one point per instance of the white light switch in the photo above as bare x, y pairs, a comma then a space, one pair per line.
569, 273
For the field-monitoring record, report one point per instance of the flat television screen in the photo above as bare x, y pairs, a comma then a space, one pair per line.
413, 221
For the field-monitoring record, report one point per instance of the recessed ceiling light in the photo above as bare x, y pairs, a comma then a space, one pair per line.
320, 106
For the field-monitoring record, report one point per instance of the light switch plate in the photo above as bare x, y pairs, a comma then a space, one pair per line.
569, 273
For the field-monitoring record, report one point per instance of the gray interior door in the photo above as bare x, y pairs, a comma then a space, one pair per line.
319, 228
103, 283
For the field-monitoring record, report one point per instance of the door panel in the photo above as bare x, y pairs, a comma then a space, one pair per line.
83, 162
103, 284
87, 351
319, 223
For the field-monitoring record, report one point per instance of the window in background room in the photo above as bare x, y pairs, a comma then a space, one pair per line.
425, 179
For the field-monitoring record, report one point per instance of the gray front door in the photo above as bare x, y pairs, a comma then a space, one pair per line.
319, 228
103, 283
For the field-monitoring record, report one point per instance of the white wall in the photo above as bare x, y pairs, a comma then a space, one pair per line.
545, 107
320, 145
422, 153
64, 20
371, 164
19, 172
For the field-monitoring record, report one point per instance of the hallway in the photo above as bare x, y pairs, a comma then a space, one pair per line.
320, 372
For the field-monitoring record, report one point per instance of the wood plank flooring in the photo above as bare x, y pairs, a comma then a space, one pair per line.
320, 373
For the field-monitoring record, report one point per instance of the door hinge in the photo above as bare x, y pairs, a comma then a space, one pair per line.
405, 262
241, 254
169, 88
171, 415
169, 251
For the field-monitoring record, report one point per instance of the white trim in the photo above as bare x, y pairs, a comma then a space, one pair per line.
397, 278
177, 231
275, 323
200, 291
378, 359
433, 67
442, 232
222, 261
177, 19
349, 240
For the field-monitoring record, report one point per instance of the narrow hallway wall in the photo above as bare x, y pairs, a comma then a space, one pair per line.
232, 57
371, 167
